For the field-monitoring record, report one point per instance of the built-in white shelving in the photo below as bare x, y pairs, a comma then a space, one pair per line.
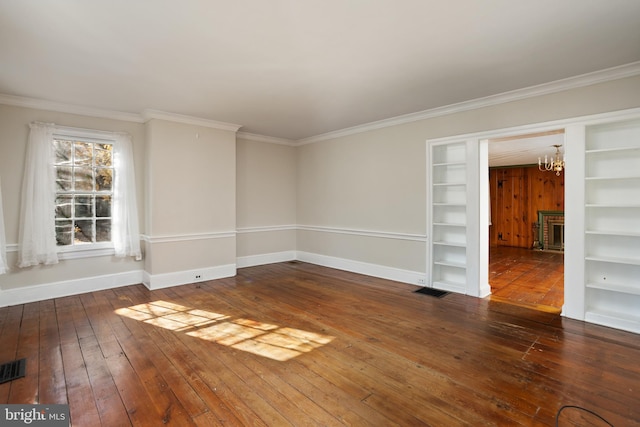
445, 243
614, 233
612, 225
611, 178
613, 260
448, 211
625, 289
450, 264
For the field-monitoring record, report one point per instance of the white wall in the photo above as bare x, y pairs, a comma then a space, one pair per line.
14, 128
190, 194
194, 183
209, 203
375, 180
266, 202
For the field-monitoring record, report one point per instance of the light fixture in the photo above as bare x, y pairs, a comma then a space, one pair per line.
556, 164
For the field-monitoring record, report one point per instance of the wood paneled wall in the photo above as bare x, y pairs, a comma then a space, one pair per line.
517, 194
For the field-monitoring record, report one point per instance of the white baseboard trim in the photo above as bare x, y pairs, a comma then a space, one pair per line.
27, 294
613, 321
375, 270
46, 291
262, 259
176, 278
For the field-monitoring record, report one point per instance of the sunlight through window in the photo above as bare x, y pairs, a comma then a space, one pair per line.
263, 339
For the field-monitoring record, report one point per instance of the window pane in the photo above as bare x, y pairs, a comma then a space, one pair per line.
84, 207
83, 231
63, 233
84, 153
103, 154
63, 178
84, 195
63, 151
103, 206
63, 206
104, 178
84, 179
103, 230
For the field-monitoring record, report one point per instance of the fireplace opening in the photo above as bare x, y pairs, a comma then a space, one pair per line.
556, 236
551, 229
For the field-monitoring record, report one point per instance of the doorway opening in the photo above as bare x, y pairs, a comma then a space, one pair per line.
526, 222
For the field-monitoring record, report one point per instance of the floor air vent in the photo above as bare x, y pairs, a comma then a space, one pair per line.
432, 292
12, 370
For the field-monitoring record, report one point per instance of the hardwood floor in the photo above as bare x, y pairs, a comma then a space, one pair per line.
298, 344
528, 277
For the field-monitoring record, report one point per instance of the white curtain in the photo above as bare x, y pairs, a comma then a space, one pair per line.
3, 241
37, 226
124, 228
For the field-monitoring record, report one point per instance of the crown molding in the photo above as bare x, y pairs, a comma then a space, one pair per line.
592, 119
268, 139
189, 120
41, 104
609, 74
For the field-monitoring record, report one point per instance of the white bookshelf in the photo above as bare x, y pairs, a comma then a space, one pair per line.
612, 225
448, 211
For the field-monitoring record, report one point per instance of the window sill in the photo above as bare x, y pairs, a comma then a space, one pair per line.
78, 253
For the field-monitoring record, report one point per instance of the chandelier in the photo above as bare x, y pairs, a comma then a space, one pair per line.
556, 164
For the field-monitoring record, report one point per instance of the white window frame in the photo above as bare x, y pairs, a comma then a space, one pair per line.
89, 249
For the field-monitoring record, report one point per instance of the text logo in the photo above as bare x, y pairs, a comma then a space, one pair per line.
34, 415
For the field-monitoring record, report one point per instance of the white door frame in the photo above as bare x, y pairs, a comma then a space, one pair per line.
478, 248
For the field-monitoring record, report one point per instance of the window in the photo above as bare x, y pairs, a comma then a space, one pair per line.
84, 191
78, 196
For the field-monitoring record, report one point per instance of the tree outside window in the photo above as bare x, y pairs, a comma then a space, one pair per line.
84, 191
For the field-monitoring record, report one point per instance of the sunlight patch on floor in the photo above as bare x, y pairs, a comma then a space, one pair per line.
263, 339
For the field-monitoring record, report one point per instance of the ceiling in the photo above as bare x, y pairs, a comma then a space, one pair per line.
296, 69
524, 149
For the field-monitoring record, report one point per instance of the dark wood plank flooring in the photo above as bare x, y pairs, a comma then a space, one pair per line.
527, 277
298, 344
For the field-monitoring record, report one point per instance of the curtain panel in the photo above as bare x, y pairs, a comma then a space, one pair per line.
37, 212
125, 231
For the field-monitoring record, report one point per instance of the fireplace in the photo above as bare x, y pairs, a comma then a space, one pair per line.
555, 235
551, 230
